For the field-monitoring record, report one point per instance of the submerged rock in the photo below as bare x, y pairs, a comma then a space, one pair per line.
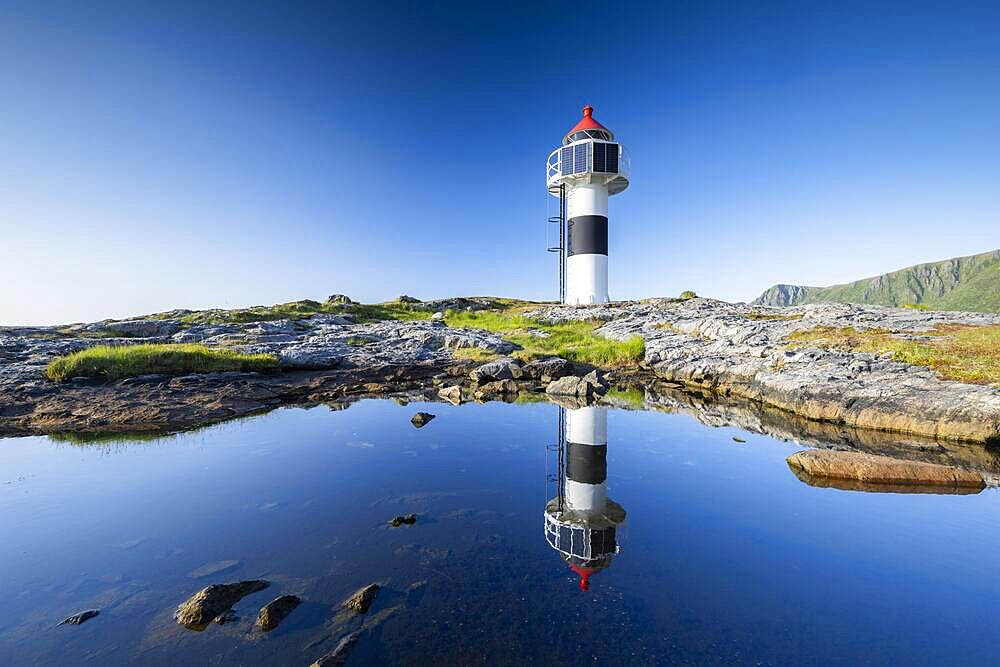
275, 611
340, 653
211, 569
199, 610
362, 599
82, 617
421, 419
881, 470
407, 519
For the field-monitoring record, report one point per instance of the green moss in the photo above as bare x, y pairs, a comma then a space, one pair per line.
109, 362
575, 341
688, 294
773, 316
475, 354
955, 351
298, 310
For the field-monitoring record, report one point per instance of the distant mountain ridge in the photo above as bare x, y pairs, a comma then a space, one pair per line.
962, 283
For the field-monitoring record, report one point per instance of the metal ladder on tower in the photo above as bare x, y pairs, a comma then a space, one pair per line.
561, 248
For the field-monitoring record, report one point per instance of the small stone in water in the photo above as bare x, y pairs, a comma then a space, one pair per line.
362, 599
408, 519
421, 418
736, 439
82, 617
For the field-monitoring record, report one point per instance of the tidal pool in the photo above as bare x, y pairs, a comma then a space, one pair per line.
665, 541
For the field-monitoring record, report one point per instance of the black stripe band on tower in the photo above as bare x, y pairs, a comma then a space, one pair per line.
586, 464
588, 235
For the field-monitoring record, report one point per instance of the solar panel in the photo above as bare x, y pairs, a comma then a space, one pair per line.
566, 160
580, 158
612, 158
600, 157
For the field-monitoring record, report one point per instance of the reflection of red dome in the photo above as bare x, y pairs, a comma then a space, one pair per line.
584, 573
587, 122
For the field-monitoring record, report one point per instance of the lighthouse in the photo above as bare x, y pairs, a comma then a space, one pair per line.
581, 521
588, 168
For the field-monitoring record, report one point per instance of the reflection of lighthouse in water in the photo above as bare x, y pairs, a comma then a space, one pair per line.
581, 521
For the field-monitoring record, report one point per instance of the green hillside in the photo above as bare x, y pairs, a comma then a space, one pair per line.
964, 283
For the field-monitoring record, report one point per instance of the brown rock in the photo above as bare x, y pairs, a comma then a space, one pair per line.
871, 469
199, 609
362, 599
275, 611
496, 388
452, 394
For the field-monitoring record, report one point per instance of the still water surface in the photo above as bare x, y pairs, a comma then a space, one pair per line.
723, 556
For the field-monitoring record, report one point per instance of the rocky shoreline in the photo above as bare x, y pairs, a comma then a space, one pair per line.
730, 350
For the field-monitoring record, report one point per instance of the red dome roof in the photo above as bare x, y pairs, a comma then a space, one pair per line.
588, 122
584, 573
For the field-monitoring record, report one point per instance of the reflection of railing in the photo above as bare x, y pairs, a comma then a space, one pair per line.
599, 158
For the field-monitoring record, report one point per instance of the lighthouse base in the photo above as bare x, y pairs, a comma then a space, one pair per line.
586, 279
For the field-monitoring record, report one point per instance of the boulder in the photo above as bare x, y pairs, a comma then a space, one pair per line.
571, 385
199, 609
437, 316
421, 419
496, 388
547, 370
452, 394
362, 599
310, 357
404, 298
275, 611
82, 617
824, 464
140, 328
339, 299
596, 378
500, 369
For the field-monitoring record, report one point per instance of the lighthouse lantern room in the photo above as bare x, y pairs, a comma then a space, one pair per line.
583, 172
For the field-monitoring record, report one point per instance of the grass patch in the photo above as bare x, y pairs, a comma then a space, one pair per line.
773, 316
960, 352
916, 306
110, 362
299, 310
634, 398
575, 341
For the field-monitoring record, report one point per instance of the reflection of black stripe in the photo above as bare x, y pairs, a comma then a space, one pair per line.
588, 235
586, 464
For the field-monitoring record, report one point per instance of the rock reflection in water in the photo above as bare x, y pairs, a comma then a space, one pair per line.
581, 521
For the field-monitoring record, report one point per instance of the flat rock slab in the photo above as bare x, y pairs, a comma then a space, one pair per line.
82, 617
883, 471
275, 611
211, 569
199, 609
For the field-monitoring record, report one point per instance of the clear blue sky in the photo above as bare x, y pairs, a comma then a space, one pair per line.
155, 156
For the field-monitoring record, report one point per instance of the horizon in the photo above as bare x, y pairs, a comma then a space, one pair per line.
158, 157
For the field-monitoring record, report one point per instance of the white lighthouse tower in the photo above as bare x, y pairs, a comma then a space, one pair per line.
581, 521
588, 167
